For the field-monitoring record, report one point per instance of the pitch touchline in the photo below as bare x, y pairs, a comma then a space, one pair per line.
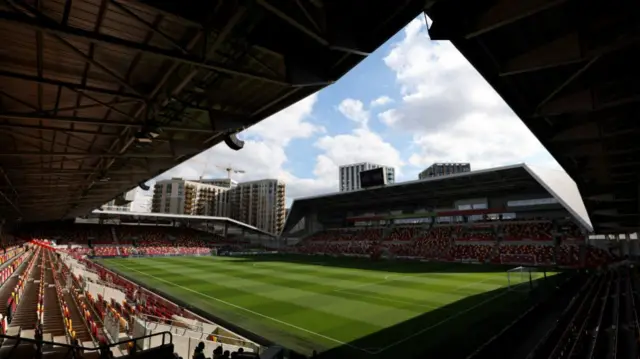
250, 311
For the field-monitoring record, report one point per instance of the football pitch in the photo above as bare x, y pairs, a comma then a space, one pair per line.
341, 306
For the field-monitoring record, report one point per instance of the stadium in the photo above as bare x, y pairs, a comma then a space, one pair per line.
99, 96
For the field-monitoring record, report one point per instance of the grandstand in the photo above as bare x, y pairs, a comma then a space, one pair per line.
507, 215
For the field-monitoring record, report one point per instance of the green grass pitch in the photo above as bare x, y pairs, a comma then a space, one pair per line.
344, 307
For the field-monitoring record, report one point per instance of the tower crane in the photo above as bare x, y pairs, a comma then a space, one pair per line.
230, 170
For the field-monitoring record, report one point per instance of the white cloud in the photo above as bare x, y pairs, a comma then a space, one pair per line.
451, 112
381, 101
362, 145
446, 109
264, 154
389, 117
290, 123
355, 111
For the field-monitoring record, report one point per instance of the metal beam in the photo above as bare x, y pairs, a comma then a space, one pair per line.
506, 12
565, 50
56, 129
311, 33
37, 171
86, 107
593, 99
98, 38
149, 25
10, 202
9, 182
75, 87
222, 37
90, 121
82, 154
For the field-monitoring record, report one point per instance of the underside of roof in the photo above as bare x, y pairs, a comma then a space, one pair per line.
569, 70
432, 192
564, 190
82, 81
145, 217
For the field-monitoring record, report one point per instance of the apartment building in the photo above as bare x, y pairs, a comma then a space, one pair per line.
349, 175
258, 203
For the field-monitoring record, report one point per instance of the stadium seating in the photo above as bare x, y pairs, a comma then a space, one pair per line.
41, 299
528, 242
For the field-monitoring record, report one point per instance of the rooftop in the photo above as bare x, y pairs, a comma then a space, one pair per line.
178, 218
430, 191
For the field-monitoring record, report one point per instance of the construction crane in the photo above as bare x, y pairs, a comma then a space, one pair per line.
230, 170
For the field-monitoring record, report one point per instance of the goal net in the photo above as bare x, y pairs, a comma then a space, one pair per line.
523, 278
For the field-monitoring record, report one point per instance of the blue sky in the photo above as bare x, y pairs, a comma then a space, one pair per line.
411, 103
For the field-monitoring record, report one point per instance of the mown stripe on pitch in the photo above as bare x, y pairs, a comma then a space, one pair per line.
286, 311
333, 288
433, 295
412, 285
349, 327
434, 270
430, 295
350, 309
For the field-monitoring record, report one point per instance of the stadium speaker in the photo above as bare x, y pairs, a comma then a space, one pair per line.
233, 142
143, 186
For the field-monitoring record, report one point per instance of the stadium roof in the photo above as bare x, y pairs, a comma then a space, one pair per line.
434, 190
80, 79
568, 68
180, 218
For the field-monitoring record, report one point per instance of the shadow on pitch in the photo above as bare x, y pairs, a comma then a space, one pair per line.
395, 266
453, 331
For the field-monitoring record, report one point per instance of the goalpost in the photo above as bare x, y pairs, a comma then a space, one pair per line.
524, 278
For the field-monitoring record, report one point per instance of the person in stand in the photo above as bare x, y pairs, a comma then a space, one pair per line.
105, 352
198, 353
217, 352
38, 337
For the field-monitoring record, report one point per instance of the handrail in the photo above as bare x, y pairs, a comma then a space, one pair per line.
89, 303
80, 347
190, 328
56, 284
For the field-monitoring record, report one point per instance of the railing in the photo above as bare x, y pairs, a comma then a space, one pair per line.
152, 322
74, 351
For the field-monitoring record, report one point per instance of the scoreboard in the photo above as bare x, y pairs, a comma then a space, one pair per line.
373, 178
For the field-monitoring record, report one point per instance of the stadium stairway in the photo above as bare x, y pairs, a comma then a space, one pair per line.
114, 236
387, 231
10, 283
79, 325
53, 321
26, 315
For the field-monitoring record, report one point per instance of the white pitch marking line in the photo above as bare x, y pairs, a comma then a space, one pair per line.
438, 323
251, 311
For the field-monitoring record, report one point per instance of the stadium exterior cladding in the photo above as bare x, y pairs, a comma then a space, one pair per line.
97, 96
516, 189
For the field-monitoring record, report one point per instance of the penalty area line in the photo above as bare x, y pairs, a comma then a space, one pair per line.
251, 311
